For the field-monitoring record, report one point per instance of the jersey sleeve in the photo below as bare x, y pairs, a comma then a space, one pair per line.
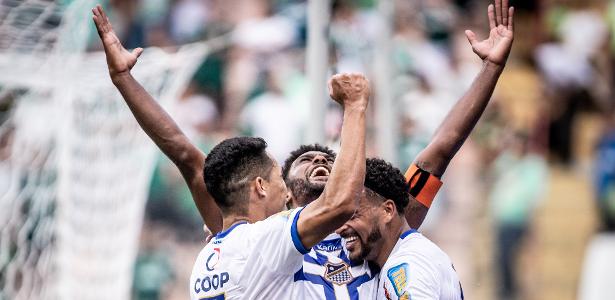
277, 243
412, 278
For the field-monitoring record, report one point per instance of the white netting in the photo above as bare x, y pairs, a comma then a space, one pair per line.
74, 165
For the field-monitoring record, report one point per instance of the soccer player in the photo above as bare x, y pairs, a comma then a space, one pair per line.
250, 258
412, 267
327, 270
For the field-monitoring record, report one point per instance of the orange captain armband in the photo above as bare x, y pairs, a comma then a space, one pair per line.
423, 185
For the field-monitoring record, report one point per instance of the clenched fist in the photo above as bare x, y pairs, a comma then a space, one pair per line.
349, 90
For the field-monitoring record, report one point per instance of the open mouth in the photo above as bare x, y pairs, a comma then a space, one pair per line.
351, 242
319, 174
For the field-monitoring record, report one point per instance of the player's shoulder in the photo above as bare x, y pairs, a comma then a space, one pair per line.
419, 253
416, 244
282, 217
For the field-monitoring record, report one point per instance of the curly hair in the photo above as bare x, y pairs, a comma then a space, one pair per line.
303, 149
229, 168
387, 181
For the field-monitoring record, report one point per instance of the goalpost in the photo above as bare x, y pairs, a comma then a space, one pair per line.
74, 164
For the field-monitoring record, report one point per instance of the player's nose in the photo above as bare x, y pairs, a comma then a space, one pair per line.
341, 229
319, 159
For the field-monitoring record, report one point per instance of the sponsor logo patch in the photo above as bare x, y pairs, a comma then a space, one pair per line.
398, 275
212, 260
329, 246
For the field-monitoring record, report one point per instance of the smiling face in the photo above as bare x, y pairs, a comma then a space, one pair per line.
308, 175
363, 232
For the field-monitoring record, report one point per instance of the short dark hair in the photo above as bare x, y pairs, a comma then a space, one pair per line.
303, 149
229, 168
387, 181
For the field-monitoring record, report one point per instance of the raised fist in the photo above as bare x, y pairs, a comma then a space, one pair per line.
349, 90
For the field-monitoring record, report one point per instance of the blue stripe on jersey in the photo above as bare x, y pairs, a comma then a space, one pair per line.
224, 233
315, 279
295, 234
407, 233
353, 287
321, 260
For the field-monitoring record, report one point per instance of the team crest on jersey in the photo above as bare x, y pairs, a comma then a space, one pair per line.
338, 273
398, 276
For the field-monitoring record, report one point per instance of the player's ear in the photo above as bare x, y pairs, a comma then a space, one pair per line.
389, 209
290, 198
261, 186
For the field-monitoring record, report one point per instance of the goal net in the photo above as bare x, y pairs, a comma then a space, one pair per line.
74, 164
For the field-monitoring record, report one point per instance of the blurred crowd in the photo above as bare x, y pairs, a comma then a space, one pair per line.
559, 79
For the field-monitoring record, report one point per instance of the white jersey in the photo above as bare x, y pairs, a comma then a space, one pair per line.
327, 273
417, 269
250, 261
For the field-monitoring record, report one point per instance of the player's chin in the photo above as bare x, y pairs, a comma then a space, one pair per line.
356, 256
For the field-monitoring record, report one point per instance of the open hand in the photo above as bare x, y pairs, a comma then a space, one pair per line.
119, 60
349, 89
496, 47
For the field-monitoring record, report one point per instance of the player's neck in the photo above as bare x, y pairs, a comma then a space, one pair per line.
390, 238
230, 220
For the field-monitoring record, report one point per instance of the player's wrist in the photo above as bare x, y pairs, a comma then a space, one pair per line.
359, 104
495, 67
118, 77
355, 108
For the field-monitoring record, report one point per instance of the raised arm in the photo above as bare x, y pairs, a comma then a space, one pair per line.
338, 201
155, 121
462, 118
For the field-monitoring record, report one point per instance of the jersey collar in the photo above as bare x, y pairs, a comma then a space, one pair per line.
224, 233
407, 233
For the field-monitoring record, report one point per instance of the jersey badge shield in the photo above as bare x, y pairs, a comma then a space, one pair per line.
338, 273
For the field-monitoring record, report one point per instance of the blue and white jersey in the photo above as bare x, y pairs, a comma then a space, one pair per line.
250, 261
327, 273
417, 269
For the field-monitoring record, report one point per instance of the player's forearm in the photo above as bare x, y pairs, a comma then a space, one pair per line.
173, 143
415, 213
158, 125
348, 173
460, 121
339, 200
209, 211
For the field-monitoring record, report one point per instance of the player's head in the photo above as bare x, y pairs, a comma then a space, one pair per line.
306, 172
383, 201
239, 172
